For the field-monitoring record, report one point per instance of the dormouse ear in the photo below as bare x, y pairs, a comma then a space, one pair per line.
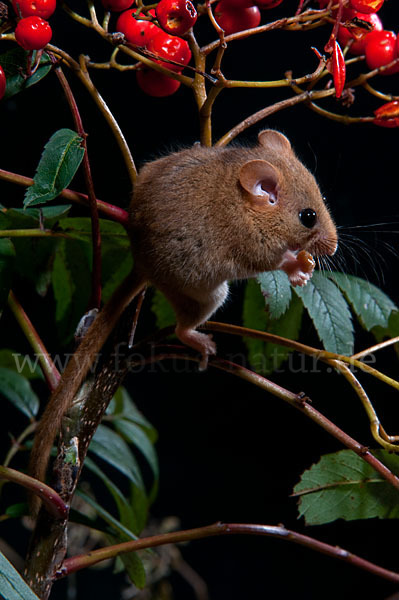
260, 179
272, 138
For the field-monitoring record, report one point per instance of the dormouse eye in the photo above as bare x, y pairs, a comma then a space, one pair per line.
308, 217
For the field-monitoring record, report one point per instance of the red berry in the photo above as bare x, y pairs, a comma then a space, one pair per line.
358, 34
267, 4
366, 6
2, 82
381, 49
171, 47
387, 115
176, 16
239, 4
156, 84
136, 31
33, 33
117, 5
233, 20
38, 8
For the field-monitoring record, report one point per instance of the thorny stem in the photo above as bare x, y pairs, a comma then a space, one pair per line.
50, 371
52, 500
76, 563
112, 212
95, 300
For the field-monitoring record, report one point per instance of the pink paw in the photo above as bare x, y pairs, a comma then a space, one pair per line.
299, 267
199, 341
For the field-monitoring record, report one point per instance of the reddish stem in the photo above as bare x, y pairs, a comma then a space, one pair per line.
95, 300
76, 563
110, 210
49, 369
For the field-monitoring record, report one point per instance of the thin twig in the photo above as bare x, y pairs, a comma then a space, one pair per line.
81, 561
49, 369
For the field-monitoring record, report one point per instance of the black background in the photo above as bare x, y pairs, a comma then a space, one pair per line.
228, 451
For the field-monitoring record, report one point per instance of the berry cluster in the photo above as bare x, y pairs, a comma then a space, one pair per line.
33, 31
365, 34
174, 17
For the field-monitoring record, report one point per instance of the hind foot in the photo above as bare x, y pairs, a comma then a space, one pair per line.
199, 341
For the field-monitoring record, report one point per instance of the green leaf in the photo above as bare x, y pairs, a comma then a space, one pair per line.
134, 434
80, 227
164, 313
115, 525
125, 508
133, 566
264, 356
123, 406
276, 288
7, 260
14, 63
16, 511
19, 392
370, 304
71, 285
59, 162
329, 312
24, 365
109, 446
116, 265
12, 586
343, 486
29, 218
254, 317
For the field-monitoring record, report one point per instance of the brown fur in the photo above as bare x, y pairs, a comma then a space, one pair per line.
198, 218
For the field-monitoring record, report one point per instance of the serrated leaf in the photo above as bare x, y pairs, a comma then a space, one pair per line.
371, 305
264, 356
164, 313
125, 508
343, 486
14, 63
276, 289
59, 162
12, 585
134, 434
24, 365
19, 392
109, 446
329, 312
7, 260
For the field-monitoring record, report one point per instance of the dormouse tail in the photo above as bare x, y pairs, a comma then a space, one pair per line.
75, 374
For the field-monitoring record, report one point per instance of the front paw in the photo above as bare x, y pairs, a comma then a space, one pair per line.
299, 267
